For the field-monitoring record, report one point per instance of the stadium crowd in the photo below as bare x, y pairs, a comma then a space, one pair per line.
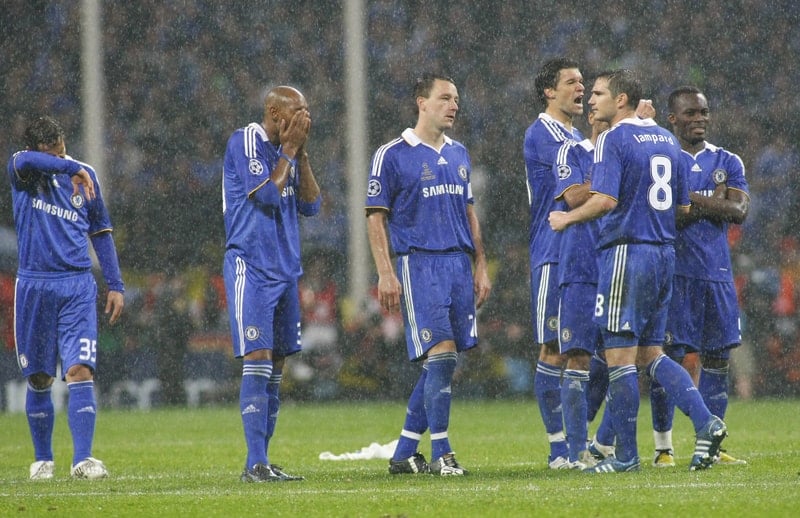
180, 77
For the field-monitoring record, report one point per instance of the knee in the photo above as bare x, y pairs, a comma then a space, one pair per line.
79, 373
40, 381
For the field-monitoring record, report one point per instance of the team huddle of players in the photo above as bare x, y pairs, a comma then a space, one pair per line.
627, 234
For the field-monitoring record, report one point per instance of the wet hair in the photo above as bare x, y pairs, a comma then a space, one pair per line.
43, 130
683, 90
624, 81
549, 75
424, 84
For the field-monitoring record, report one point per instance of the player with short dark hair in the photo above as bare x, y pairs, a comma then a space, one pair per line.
58, 210
559, 88
704, 313
267, 184
419, 186
638, 184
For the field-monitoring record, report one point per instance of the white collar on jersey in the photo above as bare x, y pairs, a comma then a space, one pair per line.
412, 138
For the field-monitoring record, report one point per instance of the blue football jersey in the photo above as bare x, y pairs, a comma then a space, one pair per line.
425, 192
261, 225
53, 225
639, 164
543, 138
578, 253
701, 248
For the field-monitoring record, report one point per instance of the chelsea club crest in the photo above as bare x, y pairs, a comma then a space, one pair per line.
720, 176
76, 200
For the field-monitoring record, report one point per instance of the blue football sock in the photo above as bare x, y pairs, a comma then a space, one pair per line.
82, 415
254, 407
605, 431
416, 421
597, 388
437, 400
41, 418
714, 390
573, 403
547, 386
623, 404
679, 387
273, 405
662, 408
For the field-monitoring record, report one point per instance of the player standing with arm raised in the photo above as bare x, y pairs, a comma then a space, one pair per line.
559, 88
704, 313
267, 183
638, 184
419, 186
58, 209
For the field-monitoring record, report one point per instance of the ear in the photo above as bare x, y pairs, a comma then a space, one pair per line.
549, 93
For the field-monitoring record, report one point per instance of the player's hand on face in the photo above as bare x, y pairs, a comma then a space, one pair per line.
114, 304
82, 178
389, 291
294, 132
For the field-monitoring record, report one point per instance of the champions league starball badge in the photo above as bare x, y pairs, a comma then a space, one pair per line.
374, 188
720, 176
255, 167
564, 171
76, 200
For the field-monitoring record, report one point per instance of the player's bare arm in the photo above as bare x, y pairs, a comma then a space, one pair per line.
723, 206
309, 188
596, 206
389, 287
482, 285
577, 195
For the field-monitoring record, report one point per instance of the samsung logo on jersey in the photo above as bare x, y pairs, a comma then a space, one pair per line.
54, 210
438, 190
653, 137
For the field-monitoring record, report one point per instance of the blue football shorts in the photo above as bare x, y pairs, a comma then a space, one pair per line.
264, 313
633, 294
438, 301
55, 316
703, 317
577, 330
544, 303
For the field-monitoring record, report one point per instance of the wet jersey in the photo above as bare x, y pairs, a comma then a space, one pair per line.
426, 193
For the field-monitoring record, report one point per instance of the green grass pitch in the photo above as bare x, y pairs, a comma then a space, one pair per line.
181, 462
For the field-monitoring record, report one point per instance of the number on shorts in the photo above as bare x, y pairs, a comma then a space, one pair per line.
88, 350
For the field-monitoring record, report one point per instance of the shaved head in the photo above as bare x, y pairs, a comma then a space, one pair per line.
280, 96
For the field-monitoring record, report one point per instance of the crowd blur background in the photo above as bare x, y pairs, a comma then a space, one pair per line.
180, 76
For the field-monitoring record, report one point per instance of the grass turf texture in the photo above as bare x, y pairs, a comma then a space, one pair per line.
181, 462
